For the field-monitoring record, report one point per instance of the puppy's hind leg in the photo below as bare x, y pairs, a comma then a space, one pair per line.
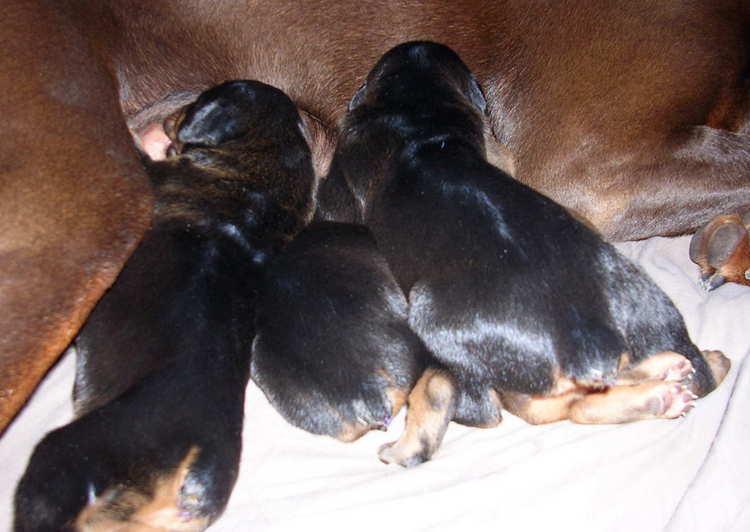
666, 366
618, 404
539, 410
623, 404
701, 376
432, 404
664, 385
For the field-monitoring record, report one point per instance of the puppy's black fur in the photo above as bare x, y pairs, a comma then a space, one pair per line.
505, 288
334, 352
164, 358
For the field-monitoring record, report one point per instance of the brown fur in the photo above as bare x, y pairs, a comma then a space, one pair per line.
599, 103
721, 249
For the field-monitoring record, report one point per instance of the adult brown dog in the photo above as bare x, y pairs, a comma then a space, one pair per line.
634, 115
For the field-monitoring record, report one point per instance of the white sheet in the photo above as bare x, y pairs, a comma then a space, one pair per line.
684, 475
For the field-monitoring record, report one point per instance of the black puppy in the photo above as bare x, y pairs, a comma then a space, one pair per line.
334, 352
522, 306
163, 360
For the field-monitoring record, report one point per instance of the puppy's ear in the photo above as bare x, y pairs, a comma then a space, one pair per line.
476, 95
357, 98
211, 123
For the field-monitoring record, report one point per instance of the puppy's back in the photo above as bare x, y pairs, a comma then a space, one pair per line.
334, 352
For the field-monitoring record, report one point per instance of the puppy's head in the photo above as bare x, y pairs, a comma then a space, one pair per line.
237, 137
430, 76
233, 113
418, 72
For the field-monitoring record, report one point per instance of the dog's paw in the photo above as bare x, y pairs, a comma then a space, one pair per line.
432, 405
402, 454
667, 366
668, 400
674, 367
722, 251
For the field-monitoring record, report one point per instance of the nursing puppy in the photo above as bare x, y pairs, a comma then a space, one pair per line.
334, 352
522, 306
164, 358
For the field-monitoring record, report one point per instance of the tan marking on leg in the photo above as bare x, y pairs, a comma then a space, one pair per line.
624, 362
548, 408
666, 366
431, 408
397, 398
396, 395
353, 431
538, 410
130, 510
564, 385
623, 404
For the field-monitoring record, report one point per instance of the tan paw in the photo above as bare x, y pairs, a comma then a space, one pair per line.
667, 366
669, 400
403, 455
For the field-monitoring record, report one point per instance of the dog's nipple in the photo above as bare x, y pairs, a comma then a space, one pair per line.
154, 141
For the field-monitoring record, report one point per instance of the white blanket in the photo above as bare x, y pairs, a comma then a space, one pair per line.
689, 474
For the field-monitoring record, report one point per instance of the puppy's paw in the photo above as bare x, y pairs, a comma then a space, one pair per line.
668, 400
403, 454
432, 405
667, 366
352, 431
722, 251
677, 369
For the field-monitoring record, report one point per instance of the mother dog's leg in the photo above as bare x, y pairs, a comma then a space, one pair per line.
721, 249
74, 196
